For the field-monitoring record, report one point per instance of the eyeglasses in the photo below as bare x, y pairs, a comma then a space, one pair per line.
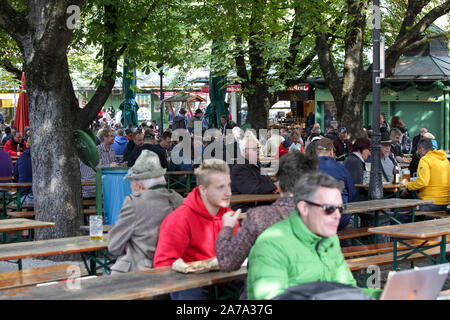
329, 209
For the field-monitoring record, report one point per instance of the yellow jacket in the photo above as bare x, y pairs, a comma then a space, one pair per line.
433, 178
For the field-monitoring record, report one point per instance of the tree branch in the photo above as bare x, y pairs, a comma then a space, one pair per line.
13, 22
11, 69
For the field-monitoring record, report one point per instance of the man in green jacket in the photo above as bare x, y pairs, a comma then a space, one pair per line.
304, 247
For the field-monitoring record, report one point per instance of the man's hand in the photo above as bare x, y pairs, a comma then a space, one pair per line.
230, 218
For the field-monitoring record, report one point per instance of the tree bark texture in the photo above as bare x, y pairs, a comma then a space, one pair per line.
43, 37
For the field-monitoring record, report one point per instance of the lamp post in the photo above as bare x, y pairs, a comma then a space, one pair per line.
161, 95
376, 185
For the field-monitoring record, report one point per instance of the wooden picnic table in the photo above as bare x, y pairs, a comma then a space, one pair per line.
243, 198
390, 187
20, 224
424, 230
127, 286
52, 247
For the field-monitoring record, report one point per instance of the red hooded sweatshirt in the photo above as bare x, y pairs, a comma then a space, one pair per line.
189, 232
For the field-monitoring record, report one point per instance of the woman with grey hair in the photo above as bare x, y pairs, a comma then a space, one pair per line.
134, 237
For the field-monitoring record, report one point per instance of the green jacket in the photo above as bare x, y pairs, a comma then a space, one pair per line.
288, 254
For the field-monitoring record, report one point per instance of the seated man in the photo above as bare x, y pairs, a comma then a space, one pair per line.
15, 145
232, 251
433, 177
304, 247
388, 161
23, 173
328, 165
136, 141
134, 236
190, 231
120, 143
107, 158
105, 151
148, 144
342, 145
396, 147
247, 178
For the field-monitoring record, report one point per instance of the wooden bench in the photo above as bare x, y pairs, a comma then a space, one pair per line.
29, 277
21, 214
362, 263
371, 249
353, 233
433, 214
30, 214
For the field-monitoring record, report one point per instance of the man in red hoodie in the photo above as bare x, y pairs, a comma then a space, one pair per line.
191, 230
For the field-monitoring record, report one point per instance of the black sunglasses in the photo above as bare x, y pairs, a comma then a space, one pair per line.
329, 209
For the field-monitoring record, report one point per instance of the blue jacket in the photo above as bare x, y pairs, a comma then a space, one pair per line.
338, 171
23, 169
119, 145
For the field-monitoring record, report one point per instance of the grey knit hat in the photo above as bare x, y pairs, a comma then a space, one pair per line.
146, 166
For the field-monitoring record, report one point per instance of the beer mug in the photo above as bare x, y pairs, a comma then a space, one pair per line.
406, 174
96, 227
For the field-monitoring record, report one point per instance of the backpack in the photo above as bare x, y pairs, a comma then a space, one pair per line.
325, 290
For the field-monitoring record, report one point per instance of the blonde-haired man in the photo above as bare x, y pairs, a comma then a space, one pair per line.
190, 231
134, 236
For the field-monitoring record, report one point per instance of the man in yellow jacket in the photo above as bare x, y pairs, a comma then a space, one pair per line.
433, 177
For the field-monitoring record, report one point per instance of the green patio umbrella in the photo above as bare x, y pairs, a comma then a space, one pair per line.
129, 106
217, 92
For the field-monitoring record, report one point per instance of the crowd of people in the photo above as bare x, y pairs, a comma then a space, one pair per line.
291, 241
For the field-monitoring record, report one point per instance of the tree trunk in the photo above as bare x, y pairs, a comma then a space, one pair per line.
56, 174
258, 106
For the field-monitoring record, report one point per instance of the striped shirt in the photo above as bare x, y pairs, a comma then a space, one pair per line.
88, 174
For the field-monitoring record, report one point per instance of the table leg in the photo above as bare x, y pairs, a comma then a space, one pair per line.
443, 248
19, 200
188, 184
395, 255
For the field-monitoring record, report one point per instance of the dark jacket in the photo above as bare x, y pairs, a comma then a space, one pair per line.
337, 170
128, 150
355, 167
23, 169
247, 179
137, 152
342, 148
414, 143
396, 150
178, 123
405, 141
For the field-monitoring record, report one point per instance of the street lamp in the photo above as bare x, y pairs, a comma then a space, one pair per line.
375, 184
161, 95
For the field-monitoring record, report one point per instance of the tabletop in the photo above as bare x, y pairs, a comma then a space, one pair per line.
383, 204
22, 224
415, 230
51, 247
14, 185
387, 186
243, 198
127, 286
